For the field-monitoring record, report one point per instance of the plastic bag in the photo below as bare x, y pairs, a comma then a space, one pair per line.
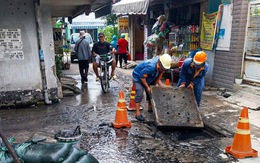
128, 57
151, 41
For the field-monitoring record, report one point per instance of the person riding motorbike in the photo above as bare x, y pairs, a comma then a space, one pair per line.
102, 47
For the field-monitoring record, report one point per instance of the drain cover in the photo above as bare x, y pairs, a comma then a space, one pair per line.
175, 107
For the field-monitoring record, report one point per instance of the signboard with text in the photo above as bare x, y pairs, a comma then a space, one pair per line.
11, 44
123, 25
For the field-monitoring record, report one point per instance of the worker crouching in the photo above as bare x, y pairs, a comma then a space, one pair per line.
193, 72
149, 73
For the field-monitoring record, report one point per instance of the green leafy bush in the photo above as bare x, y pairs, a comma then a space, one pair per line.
58, 62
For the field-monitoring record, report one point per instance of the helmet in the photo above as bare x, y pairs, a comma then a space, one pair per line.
122, 35
166, 60
199, 58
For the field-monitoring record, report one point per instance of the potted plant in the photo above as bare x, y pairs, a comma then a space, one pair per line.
238, 79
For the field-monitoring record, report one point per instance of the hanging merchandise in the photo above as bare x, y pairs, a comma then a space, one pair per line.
151, 41
160, 32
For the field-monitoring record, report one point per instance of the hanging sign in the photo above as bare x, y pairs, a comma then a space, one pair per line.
208, 30
123, 25
224, 35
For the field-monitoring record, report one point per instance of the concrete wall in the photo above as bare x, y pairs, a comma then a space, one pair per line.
228, 64
21, 78
48, 45
20, 74
210, 61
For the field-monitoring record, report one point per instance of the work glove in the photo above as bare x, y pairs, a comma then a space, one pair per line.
182, 85
191, 85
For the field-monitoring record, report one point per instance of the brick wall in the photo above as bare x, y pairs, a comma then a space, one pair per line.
228, 64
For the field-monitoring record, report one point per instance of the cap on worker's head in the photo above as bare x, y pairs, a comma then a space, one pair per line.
166, 60
199, 59
101, 34
122, 35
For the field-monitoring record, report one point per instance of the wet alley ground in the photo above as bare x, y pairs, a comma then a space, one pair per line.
143, 142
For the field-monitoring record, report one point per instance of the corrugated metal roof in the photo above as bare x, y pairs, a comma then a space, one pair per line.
127, 7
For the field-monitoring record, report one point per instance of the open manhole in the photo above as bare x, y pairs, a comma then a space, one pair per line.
207, 132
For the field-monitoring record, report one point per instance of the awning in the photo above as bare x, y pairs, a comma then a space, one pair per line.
86, 25
130, 7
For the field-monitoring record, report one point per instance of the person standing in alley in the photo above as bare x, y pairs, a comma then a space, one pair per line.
122, 50
148, 73
83, 51
114, 45
192, 74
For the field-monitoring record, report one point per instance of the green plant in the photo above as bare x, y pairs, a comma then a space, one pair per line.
58, 63
111, 28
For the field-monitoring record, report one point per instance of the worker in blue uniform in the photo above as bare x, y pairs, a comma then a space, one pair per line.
192, 74
148, 73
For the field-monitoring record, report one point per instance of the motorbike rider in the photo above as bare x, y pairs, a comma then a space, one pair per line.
102, 47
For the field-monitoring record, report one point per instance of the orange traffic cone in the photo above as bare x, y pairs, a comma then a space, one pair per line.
121, 100
121, 119
167, 82
131, 105
241, 146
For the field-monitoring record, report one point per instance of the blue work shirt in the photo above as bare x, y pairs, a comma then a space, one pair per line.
187, 76
148, 68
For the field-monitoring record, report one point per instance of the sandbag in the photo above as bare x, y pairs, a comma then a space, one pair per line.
88, 159
35, 152
5, 157
43, 153
74, 155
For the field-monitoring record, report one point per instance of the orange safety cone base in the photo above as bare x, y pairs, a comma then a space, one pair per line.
121, 125
121, 119
132, 108
239, 155
167, 82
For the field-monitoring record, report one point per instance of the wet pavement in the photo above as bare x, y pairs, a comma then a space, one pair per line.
143, 142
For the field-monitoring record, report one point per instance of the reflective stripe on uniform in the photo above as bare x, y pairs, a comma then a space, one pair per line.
132, 97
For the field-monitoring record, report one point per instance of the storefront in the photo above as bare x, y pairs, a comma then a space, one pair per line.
135, 11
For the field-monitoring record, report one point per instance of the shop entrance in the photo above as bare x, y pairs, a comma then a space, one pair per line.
139, 37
